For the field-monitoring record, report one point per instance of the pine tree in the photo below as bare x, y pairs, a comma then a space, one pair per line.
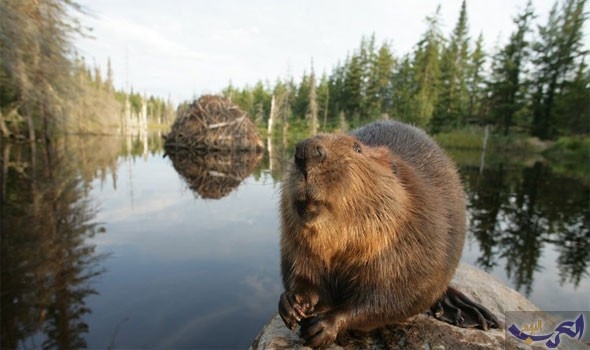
559, 49
381, 80
573, 104
475, 80
426, 71
507, 95
402, 83
352, 89
369, 78
451, 105
301, 102
336, 90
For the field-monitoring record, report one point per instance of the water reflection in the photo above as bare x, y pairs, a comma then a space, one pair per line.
47, 263
517, 211
185, 272
141, 145
214, 175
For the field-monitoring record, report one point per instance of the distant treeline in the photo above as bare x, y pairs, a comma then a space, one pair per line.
537, 83
46, 88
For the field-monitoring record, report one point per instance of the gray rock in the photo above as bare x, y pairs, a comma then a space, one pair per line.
425, 332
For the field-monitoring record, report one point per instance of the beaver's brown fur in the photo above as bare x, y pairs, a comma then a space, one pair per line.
373, 225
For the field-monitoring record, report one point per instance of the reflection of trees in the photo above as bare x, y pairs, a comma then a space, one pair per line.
485, 199
514, 214
574, 252
568, 211
280, 153
47, 266
214, 175
142, 144
521, 242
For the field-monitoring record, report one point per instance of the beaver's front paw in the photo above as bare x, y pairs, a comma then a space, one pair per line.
293, 307
320, 331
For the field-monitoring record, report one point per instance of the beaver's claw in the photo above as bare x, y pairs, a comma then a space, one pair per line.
294, 307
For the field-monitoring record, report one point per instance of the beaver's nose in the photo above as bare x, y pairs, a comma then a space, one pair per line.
309, 150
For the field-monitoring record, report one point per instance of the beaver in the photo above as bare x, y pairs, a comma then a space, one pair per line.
372, 229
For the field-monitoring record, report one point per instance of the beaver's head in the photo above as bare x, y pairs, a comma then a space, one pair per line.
336, 173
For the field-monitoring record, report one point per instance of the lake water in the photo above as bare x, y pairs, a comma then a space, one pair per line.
107, 244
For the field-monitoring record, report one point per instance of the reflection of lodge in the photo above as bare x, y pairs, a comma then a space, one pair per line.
214, 175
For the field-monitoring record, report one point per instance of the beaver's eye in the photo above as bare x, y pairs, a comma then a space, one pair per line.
356, 147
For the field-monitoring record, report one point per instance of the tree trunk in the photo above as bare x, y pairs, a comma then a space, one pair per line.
273, 115
313, 106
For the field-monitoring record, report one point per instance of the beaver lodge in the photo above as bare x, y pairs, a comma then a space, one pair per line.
212, 123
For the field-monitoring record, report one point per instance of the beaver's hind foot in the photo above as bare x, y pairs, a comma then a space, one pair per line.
457, 309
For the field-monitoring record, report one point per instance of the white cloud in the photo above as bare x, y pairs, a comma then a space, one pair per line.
125, 33
237, 35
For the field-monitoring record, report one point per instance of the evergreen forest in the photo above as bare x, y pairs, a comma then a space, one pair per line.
537, 83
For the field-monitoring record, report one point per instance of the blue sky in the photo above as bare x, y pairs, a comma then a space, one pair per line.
184, 48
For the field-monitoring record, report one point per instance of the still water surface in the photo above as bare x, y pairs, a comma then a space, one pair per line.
152, 253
